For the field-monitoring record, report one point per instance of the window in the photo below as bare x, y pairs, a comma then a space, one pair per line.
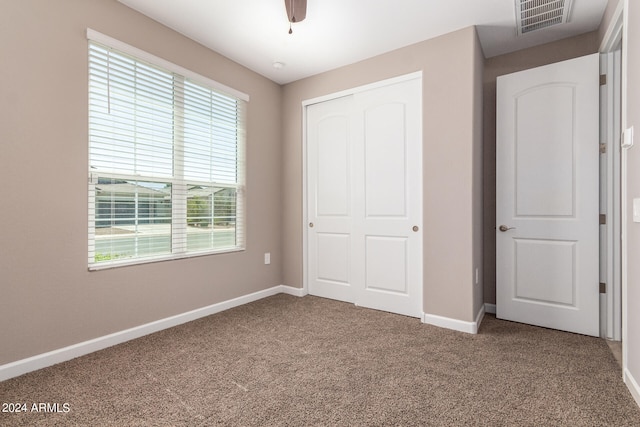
166, 164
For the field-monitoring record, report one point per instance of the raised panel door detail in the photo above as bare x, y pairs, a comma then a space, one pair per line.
545, 271
385, 161
386, 264
333, 254
545, 153
333, 179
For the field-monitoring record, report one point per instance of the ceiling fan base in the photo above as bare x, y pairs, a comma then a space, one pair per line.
296, 10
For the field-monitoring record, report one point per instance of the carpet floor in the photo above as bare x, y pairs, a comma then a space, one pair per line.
288, 361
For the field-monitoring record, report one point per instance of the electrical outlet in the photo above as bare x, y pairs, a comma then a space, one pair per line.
267, 257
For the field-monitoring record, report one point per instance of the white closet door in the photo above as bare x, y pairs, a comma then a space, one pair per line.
388, 174
330, 202
364, 175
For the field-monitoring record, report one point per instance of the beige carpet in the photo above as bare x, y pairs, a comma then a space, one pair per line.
311, 361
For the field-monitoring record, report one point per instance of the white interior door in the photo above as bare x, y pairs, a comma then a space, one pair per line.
547, 196
364, 192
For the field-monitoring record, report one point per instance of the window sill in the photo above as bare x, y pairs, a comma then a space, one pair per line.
161, 258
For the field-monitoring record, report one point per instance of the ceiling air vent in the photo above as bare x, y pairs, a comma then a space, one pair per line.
534, 15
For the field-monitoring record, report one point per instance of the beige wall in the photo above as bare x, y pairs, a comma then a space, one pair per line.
478, 178
48, 299
632, 302
452, 68
504, 64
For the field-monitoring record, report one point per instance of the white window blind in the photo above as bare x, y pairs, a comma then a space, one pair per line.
166, 159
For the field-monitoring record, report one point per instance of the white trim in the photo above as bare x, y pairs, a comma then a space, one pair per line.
610, 319
623, 16
489, 308
363, 88
141, 54
305, 214
454, 324
614, 32
632, 385
618, 31
290, 290
160, 258
14, 369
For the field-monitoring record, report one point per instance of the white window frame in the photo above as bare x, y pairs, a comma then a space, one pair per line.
179, 186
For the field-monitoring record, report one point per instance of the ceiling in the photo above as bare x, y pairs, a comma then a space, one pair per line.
255, 33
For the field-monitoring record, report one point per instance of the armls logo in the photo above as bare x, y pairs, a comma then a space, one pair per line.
50, 408
45, 408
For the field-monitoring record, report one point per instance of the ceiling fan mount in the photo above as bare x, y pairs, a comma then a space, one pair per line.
296, 11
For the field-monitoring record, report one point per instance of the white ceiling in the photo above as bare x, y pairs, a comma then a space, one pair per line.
254, 33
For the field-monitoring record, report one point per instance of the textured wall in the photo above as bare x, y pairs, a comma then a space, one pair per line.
48, 299
452, 139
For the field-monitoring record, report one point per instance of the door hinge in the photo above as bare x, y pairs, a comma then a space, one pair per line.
603, 219
603, 79
603, 288
603, 148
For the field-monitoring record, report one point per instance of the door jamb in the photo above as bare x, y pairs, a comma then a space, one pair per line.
616, 33
610, 320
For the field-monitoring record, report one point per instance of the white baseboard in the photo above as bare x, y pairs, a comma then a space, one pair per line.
296, 292
455, 324
489, 308
632, 385
14, 369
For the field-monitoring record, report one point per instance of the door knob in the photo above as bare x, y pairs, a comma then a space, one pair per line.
504, 228
415, 228
311, 224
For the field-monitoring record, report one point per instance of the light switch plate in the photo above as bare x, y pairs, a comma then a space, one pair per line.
627, 138
636, 210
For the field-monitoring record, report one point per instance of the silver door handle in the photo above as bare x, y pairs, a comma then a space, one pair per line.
504, 228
